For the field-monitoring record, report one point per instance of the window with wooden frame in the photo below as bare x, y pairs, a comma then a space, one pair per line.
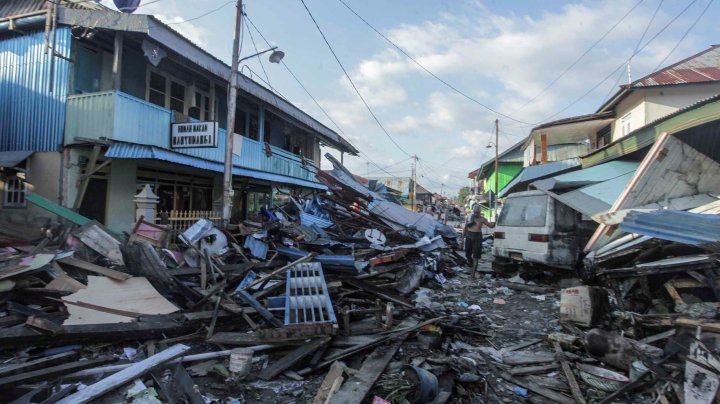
165, 91
14, 193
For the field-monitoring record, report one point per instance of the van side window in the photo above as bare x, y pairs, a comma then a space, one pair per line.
524, 211
564, 217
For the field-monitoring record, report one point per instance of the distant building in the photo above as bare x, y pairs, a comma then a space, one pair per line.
405, 186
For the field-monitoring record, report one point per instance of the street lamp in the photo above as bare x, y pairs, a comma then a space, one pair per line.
275, 57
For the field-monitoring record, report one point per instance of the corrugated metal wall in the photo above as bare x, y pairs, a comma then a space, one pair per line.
31, 116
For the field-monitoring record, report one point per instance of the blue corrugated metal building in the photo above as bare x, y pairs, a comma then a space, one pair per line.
96, 97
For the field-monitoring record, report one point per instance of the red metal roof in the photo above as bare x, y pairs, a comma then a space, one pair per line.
702, 67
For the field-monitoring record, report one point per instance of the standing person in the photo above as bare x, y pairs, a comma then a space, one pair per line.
473, 237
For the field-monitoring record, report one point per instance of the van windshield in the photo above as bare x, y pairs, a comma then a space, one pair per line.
524, 211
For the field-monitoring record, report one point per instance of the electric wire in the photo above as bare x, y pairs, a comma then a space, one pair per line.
622, 64
645, 31
684, 35
347, 75
574, 63
297, 79
428, 71
202, 15
252, 39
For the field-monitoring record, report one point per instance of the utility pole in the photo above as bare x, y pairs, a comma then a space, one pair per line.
414, 181
497, 174
229, 138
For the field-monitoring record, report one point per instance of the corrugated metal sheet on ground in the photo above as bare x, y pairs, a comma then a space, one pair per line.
531, 173
682, 227
133, 151
32, 115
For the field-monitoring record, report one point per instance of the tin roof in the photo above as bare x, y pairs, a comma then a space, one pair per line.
696, 229
701, 67
10, 8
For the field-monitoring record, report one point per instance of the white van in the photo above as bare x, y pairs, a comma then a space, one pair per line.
534, 228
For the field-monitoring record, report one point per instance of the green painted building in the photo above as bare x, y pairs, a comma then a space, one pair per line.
510, 164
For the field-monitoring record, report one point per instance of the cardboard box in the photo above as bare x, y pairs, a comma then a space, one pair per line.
583, 305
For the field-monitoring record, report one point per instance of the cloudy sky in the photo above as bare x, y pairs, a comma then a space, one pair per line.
510, 56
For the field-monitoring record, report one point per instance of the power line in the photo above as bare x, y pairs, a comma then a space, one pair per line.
252, 39
366, 157
637, 45
350, 80
201, 15
622, 64
426, 69
573, 64
684, 35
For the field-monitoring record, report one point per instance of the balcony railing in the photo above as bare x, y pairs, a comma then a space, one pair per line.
122, 117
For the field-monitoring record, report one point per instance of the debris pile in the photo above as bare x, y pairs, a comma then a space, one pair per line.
312, 303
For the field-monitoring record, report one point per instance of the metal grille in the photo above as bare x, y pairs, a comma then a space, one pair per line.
307, 299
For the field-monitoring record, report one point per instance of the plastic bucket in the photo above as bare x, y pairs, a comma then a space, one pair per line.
427, 384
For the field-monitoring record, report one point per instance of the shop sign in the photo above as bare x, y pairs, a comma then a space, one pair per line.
193, 134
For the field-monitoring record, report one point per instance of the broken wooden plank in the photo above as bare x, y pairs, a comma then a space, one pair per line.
532, 370
658, 337
379, 292
49, 373
53, 207
357, 387
38, 363
527, 358
547, 393
332, 382
90, 267
574, 388
267, 315
292, 358
44, 325
525, 288
522, 345
124, 376
107, 301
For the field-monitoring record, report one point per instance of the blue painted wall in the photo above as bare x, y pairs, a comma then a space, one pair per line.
31, 116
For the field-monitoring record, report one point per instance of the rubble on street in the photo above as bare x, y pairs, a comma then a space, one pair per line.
333, 299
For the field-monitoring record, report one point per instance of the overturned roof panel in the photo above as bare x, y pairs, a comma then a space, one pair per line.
532, 173
696, 229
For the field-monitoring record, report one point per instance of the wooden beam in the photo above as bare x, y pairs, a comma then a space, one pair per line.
124, 376
50, 373
357, 387
574, 388
96, 169
537, 389
40, 363
90, 267
292, 358
82, 184
332, 382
